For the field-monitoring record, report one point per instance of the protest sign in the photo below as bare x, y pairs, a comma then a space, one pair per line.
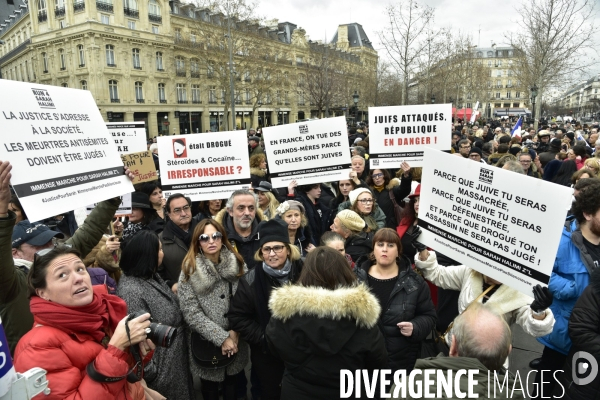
7, 371
401, 133
62, 154
501, 223
141, 164
308, 152
124, 207
205, 166
130, 137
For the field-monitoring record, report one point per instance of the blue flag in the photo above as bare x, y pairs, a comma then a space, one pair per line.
516, 131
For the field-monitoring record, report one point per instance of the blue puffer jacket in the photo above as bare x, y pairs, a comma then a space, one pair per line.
570, 276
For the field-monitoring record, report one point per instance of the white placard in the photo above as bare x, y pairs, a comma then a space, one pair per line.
308, 152
501, 223
124, 207
205, 166
130, 137
401, 133
62, 155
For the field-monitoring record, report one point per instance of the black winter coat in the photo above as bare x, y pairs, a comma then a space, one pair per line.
584, 330
359, 245
400, 190
410, 301
324, 331
319, 224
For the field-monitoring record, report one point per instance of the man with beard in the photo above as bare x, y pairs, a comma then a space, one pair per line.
578, 255
240, 218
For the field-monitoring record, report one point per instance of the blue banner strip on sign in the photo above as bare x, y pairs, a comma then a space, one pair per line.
62, 182
180, 186
310, 171
476, 249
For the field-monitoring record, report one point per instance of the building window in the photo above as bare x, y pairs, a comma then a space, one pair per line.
222, 96
179, 66
155, 29
517, 95
131, 8
161, 93
497, 95
509, 84
64, 84
42, 5
113, 91
195, 69
490, 54
45, 62
499, 72
81, 51
499, 64
248, 96
62, 24
510, 53
136, 59
177, 34
63, 61
153, 8
83, 85
212, 95
508, 95
300, 98
196, 94
110, 55
105, 19
131, 25
139, 93
181, 93
159, 61
193, 38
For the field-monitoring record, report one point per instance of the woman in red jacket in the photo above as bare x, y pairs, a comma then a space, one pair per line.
79, 335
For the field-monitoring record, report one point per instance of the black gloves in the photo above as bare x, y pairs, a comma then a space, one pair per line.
542, 298
413, 235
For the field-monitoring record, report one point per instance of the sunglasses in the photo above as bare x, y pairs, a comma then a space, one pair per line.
205, 238
43, 252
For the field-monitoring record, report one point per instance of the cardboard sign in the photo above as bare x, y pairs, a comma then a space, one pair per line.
206, 166
501, 223
401, 133
62, 155
130, 137
308, 152
142, 166
124, 207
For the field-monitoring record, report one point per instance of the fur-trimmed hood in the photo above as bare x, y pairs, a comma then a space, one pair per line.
356, 303
206, 275
393, 183
258, 172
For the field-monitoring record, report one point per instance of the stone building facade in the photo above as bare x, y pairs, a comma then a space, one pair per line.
130, 56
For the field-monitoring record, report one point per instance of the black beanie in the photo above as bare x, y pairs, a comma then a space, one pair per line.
273, 231
555, 143
571, 135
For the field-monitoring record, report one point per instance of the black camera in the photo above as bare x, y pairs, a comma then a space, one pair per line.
161, 335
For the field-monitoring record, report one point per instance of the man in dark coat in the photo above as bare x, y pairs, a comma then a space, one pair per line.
549, 155
240, 218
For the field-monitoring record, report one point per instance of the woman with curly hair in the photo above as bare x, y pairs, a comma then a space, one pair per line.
258, 169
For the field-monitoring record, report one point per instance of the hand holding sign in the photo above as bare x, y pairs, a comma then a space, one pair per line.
5, 176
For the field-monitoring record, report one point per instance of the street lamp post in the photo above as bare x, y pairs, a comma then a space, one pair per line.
534, 92
355, 98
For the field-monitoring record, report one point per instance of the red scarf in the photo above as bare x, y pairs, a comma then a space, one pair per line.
105, 311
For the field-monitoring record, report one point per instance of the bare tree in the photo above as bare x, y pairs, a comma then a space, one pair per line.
551, 46
403, 38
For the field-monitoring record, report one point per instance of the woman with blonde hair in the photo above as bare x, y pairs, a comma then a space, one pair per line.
266, 200
278, 263
209, 278
293, 214
593, 164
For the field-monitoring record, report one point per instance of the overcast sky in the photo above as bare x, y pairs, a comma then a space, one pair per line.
486, 21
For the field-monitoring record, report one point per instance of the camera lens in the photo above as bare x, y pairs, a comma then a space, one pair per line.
162, 335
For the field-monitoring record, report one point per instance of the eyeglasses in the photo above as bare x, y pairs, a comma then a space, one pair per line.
43, 252
375, 176
205, 238
366, 201
275, 249
178, 210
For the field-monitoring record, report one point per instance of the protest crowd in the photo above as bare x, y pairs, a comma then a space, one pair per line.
273, 291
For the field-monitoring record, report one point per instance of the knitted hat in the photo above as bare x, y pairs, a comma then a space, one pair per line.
475, 149
571, 135
273, 231
351, 220
514, 149
353, 195
555, 143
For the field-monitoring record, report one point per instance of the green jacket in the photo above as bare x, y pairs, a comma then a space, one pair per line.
446, 364
376, 213
14, 295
